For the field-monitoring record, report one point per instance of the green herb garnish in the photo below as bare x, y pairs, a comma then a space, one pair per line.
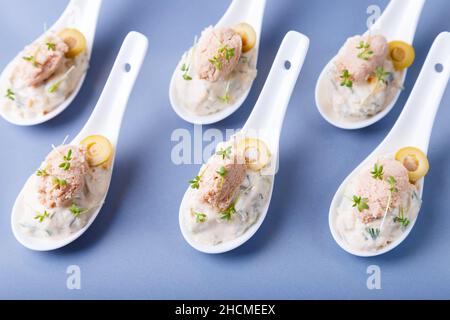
381, 75
392, 184
346, 81
51, 46
377, 172
54, 87
66, 164
228, 214
222, 172
41, 173
31, 59
200, 217
226, 97
42, 216
227, 52
401, 218
185, 70
10, 94
366, 53
360, 203
216, 62
225, 153
195, 183
76, 210
373, 232
59, 182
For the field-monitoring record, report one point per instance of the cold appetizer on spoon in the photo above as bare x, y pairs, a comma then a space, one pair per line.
71, 182
382, 199
367, 74
45, 74
214, 76
361, 84
217, 70
44, 78
229, 193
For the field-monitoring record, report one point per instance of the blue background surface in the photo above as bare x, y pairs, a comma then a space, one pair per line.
135, 249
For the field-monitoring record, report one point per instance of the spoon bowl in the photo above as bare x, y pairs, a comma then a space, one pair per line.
266, 121
250, 11
105, 120
398, 22
413, 128
79, 14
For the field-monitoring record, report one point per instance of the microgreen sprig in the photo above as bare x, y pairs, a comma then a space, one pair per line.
392, 184
222, 172
377, 172
76, 210
228, 213
381, 75
404, 221
41, 173
185, 70
195, 183
41, 216
200, 217
226, 98
65, 165
32, 60
227, 52
366, 53
10, 94
225, 153
346, 79
51, 46
360, 203
59, 182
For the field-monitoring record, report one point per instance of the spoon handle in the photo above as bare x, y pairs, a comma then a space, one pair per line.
108, 113
269, 111
80, 14
249, 11
413, 127
399, 19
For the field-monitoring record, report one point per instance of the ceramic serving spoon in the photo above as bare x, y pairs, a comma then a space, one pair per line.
398, 22
249, 11
413, 128
105, 120
79, 14
266, 120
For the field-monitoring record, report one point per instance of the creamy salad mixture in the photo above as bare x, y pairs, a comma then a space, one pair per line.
367, 74
67, 188
217, 71
380, 203
230, 192
44, 74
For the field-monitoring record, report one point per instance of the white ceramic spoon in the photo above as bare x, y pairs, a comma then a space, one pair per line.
413, 128
105, 120
79, 14
249, 11
398, 22
265, 121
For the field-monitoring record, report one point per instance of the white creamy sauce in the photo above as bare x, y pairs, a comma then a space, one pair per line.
363, 100
61, 221
357, 235
30, 101
253, 195
201, 97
